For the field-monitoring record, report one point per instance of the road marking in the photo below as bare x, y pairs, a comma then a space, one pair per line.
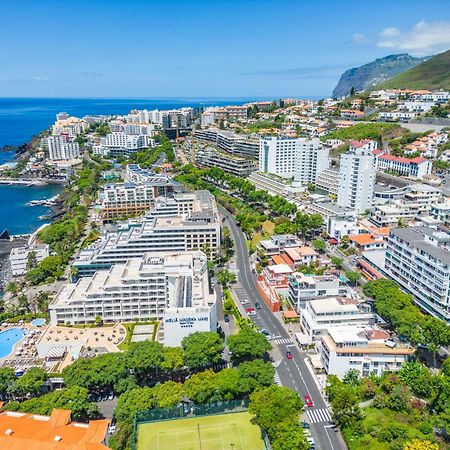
277, 379
283, 341
318, 415
290, 345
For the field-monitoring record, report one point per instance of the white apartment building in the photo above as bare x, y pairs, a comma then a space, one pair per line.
184, 222
357, 177
300, 158
208, 118
416, 106
139, 128
61, 148
18, 257
328, 180
121, 143
413, 168
236, 165
72, 126
410, 203
418, 258
366, 349
303, 288
130, 199
321, 314
274, 184
394, 116
172, 286
238, 144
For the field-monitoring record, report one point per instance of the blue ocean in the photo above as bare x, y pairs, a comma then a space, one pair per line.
21, 118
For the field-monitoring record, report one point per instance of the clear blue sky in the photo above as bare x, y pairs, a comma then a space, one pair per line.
217, 48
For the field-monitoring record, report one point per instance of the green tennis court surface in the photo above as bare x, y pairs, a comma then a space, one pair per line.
224, 432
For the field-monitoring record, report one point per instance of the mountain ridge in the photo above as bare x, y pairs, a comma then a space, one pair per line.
375, 72
434, 73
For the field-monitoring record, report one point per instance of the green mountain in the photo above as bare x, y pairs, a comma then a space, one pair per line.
369, 75
432, 74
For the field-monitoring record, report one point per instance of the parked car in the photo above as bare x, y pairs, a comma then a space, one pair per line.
288, 355
226, 318
306, 425
308, 401
111, 396
265, 332
257, 305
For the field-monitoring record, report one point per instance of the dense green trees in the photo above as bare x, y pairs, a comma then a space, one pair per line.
74, 398
407, 404
277, 411
364, 131
201, 387
202, 349
49, 268
247, 345
407, 320
225, 277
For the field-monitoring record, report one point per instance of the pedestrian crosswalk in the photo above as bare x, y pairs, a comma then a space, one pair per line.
283, 341
277, 379
318, 415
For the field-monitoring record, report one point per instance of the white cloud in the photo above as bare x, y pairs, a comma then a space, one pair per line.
423, 39
359, 38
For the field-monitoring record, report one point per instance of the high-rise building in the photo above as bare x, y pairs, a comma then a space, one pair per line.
357, 177
188, 221
61, 148
171, 287
300, 158
418, 258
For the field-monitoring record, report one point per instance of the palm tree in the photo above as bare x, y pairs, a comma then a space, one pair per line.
226, 277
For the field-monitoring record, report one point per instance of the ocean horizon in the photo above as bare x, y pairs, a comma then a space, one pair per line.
23, 117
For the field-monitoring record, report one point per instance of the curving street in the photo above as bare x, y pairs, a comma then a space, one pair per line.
292, 373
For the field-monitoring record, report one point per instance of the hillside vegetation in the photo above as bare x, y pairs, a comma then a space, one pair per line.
432, 74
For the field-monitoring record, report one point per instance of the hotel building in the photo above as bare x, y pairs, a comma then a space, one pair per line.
300, 158
418, 258
172, 287
129, 199
366, 349
357, 177
188, 221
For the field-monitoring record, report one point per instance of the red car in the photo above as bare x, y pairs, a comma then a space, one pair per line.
308, 401
288, 355
247, 310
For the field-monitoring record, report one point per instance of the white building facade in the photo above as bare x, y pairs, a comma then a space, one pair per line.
301, 158
172, 286
418, 258
357, 177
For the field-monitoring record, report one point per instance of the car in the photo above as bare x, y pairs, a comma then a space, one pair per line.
105, 396
306, 425
252, 313
265, 332
249, 310
111, 396
245, 302
112, 429
226, 318
308, 401
257, 305
311, 442
288, 355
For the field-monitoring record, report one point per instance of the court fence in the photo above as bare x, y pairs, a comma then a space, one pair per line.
188, 409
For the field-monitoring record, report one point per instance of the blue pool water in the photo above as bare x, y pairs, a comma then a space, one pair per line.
38, 322
8, 339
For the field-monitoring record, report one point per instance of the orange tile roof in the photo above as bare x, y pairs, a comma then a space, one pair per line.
21, 431
277, 259
380, 231
290, 314
364, 239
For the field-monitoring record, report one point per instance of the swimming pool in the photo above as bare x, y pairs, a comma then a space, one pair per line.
38, 322
8, 339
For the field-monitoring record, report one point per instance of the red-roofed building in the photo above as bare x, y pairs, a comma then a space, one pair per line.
366, 144
414, 168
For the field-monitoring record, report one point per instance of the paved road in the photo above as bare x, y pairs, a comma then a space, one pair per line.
291, 373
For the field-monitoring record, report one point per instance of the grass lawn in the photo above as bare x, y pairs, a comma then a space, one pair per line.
222, 432
385, 429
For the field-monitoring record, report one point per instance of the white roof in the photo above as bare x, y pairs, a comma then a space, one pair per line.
280, 268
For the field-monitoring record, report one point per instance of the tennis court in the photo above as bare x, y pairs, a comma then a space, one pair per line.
219, 432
